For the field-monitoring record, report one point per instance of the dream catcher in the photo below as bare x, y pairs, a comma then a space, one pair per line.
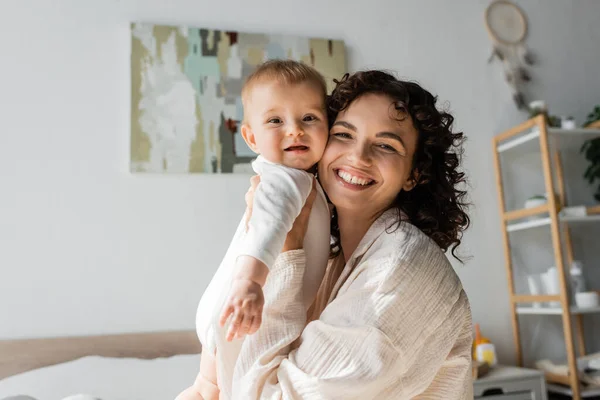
507, 26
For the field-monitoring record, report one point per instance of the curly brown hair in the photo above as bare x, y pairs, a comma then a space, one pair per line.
437, 204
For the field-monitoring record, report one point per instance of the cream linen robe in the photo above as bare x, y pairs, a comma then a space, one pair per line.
397, 325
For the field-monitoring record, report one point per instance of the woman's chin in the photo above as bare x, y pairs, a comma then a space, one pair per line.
349, 199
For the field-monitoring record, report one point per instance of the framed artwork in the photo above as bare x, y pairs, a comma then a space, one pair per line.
186, 93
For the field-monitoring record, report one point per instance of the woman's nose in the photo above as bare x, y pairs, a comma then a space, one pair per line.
360, 156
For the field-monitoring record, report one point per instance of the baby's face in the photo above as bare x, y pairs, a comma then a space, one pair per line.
286, 124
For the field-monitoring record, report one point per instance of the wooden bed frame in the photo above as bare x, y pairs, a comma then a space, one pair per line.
22, 355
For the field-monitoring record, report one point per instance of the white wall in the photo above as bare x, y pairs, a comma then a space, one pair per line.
86, 247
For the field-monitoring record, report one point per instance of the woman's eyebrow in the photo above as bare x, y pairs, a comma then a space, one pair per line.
391, 135
345, 124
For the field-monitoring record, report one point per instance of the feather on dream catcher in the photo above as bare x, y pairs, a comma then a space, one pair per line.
507, 26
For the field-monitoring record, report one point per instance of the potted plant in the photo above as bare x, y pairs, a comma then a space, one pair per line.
591, 150
593, 118
538, 107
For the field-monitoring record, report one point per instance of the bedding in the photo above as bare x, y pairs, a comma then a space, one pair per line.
104, 378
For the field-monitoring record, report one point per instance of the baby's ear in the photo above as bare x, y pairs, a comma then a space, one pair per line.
249, 138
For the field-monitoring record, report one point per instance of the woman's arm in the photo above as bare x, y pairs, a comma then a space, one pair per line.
336, 359
399, 329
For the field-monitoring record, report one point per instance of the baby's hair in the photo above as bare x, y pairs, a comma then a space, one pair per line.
289, 72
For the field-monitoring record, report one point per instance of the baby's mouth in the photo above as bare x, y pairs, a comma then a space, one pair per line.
297, 148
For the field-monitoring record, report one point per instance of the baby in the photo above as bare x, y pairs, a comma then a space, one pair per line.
285, 122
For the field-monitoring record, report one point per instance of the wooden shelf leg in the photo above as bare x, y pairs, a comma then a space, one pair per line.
562, 196
558, 257
507, 258
580, 335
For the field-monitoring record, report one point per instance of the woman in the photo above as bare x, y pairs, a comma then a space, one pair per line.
391, 320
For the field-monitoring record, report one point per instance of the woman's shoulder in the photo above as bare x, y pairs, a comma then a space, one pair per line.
409, 263
415, 284
407, 250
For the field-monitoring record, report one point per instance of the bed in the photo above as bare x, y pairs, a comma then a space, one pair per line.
146, 366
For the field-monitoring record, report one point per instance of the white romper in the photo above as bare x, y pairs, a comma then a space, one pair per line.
278, 200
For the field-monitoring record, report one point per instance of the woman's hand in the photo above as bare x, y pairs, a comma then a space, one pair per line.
295, 237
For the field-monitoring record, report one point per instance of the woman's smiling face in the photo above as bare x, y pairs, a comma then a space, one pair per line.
369, 156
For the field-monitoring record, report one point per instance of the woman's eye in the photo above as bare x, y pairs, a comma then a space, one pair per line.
387, 147
274, 121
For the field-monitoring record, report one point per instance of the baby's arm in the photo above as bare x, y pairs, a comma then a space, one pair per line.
277, 201
246, 299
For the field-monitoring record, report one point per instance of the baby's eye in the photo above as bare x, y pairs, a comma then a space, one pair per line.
309, 118
274, 121
342, 135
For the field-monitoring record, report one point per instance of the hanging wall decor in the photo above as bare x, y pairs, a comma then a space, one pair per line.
507, 27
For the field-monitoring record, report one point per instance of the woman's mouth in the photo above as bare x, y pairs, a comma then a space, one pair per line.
353, 180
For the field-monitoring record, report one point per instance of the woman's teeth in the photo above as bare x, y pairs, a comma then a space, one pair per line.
353, 179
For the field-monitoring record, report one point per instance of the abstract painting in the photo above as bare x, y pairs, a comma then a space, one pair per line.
186, 93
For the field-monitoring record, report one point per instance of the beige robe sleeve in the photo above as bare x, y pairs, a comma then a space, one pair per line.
345, 353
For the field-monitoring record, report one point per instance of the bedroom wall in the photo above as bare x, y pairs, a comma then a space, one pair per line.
88, 248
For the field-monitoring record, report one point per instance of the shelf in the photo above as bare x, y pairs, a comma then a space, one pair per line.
585, 393
533, 223
538, 298
593, 210
593, 215
525, 212
572, 132
554, 310
509, 144
535, 134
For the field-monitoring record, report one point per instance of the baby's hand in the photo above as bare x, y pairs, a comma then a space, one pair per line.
245, 302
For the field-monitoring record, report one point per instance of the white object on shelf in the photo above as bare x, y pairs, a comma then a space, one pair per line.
576, 212
534, 287
536, 201
577, 281
587, 300
567, 123
551, 284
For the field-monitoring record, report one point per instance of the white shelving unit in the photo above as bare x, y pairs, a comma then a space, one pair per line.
545, 221
523, 310
535, 136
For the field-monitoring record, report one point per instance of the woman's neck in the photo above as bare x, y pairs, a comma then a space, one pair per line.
353, 227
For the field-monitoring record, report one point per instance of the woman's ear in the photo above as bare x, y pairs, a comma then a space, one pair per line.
409, 185
412, 181
249, 138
